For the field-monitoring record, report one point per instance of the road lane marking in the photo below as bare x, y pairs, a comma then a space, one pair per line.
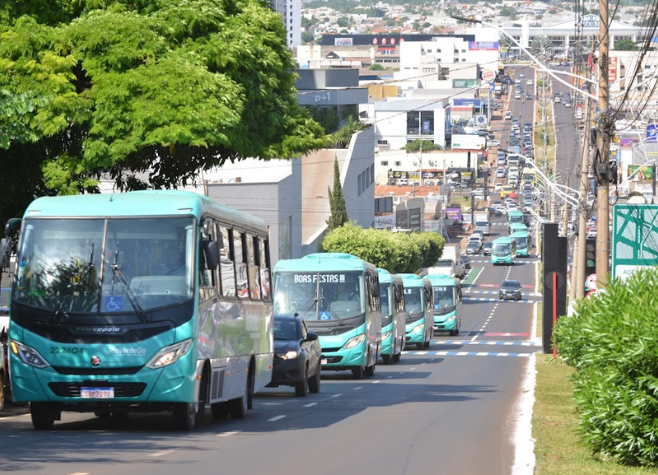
337, 395
310, 404
358, 387
275, 418
228, 434
162, 452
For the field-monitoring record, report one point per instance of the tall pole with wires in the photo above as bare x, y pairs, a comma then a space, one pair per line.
605, 127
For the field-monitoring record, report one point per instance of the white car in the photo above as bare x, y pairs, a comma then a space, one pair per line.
557, 99
529, 82
494, 143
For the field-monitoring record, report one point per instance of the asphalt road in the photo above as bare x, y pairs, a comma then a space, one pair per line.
447, 410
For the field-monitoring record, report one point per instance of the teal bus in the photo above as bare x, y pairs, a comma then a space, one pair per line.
517, 228
447, 298
514, 216
418, 306
337, 294
503, 251
391, 294
522, 243
142, 301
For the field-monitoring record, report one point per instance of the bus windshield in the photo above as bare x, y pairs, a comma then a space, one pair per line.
386, 307
413, 301
320, 295
444, 299
516, 218
521, 242
105, 265
501, 249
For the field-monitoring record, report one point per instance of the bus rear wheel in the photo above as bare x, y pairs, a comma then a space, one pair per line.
43, 415
387, 359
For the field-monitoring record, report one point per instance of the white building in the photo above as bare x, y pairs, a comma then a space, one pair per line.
291, 11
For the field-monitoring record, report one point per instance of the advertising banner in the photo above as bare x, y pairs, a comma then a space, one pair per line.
651, 133
463, 83
343, 42
385, 221
612, 70
641, 172
483, 46
455, 214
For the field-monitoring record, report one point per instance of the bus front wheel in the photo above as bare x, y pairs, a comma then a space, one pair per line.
185, 415
43, 415
358, 372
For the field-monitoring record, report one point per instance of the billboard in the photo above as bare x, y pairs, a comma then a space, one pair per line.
463, 83
612, 70
454, 213
483, 46
641, 172
385, 221
468, 142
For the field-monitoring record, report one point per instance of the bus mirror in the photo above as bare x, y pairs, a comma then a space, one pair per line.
207, 227
398, 295
5, 252
211, 254
13, 224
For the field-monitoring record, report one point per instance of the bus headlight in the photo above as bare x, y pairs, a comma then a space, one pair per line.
418, 328
169, 355
354, 341
27, 355
386, 336
451, 318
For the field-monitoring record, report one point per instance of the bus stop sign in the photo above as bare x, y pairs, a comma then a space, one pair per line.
634, 238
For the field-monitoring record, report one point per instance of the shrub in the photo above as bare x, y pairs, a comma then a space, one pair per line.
613, 344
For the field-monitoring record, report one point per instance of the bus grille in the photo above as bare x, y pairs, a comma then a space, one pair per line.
120, 389
96, 371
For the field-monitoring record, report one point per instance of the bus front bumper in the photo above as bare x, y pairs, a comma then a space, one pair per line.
336, 357
444, 323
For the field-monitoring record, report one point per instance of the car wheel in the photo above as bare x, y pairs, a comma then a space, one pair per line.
314, 382
301, 388
370, 370
396, 358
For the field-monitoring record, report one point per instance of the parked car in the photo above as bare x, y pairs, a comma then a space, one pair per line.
486, 248
466, 262
510, 290
297, 356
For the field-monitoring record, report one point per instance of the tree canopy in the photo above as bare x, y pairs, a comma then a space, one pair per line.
169, 88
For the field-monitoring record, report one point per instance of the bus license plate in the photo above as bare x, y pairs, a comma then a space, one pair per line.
97, 393
323, 361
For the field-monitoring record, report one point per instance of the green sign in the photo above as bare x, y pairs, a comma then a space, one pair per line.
634, 238
463, 83
641, 172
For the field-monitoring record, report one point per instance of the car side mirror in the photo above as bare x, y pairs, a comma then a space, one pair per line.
310, 336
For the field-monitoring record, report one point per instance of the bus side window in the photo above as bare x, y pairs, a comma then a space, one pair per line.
242, 281
207, 277
254, 285
264, 265
226, 269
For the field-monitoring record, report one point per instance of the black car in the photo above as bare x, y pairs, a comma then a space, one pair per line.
486, 248
510, 290
297, 356
466, 262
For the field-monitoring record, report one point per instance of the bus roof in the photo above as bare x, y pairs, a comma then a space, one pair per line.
414, 280
320, 262
385, 277
503, 240
441, 279
515, 212
145, 203
519, 234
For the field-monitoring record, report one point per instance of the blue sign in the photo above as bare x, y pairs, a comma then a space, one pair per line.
113, 304
467, 102
651, 133
483, 46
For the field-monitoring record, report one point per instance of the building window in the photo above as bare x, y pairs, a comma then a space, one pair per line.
463, 60
420, 123
398, 164
384, 163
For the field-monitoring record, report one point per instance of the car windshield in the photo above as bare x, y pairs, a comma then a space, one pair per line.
105, 265
511, 285
285, 329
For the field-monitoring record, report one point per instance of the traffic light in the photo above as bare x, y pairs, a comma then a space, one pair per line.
590, 256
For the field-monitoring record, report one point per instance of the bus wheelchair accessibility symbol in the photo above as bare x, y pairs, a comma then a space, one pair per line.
113, 304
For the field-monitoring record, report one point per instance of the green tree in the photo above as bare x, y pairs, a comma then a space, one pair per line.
343, 136
376, 67
135, 85
308, 36
338, 215
625, 45
343, 22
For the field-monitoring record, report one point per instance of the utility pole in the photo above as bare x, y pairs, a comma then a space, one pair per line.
606, 126
579, 276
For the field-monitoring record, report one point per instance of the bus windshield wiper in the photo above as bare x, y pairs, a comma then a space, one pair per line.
116, 272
